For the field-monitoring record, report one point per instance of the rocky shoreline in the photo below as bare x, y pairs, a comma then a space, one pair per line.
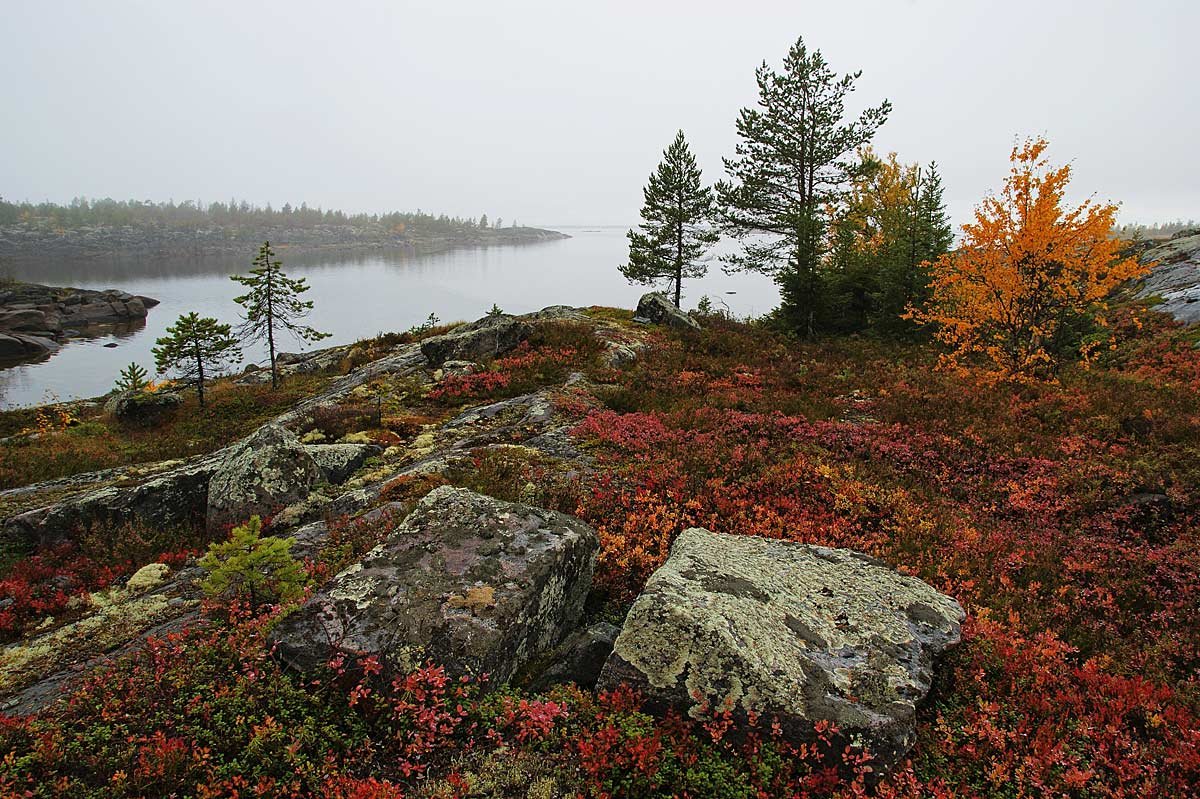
28, 241
36, 319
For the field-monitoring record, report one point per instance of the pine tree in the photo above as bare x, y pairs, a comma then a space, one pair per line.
795, 156
194, 348
674, 232
273, 304
252, 566
132, 378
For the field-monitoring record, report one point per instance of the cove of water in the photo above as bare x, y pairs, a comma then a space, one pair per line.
356, 295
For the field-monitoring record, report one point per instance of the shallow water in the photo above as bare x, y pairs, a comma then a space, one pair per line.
356, 295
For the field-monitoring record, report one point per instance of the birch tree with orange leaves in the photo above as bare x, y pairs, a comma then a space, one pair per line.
1027, 270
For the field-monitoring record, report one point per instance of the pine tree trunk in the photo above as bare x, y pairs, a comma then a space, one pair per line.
271, 326
678, 262
199, 375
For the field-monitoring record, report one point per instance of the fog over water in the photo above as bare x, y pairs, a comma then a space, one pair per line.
538, 111
355, 295
552, 112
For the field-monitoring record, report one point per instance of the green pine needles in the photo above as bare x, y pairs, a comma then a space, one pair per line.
256, 568
795, 157
195, 348
132, 378
273, 305
675, 231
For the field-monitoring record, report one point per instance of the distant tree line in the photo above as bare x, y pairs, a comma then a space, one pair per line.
1159, 230
194, 215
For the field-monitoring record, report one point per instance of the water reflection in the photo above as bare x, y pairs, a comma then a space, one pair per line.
357, 294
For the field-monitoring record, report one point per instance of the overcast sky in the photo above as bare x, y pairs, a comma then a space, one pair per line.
555, 112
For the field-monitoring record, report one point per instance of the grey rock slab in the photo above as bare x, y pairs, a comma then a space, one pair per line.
472, 583
788, 631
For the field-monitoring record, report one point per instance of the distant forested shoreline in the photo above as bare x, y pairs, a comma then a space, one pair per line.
91, 228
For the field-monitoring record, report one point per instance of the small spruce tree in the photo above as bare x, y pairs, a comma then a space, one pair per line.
254, 567
674, 233
273, 305
132, 378
194, 348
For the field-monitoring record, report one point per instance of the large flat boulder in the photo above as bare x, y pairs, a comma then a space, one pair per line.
20, 346
466, 581
260, 476
787, 631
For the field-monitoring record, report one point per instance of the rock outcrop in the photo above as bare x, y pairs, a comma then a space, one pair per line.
264, 474
654, 308
33, 316
176, 497
789, 632
143, 408
24, 347
487, 338
473, 583
1176, 277
531, 428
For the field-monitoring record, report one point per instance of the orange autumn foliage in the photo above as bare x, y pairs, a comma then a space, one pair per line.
1026, 265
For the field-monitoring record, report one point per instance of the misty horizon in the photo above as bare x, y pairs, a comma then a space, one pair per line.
555, 116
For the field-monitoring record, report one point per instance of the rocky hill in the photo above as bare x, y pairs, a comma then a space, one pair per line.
1176, 277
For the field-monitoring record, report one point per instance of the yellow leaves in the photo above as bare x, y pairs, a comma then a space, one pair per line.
1026, 263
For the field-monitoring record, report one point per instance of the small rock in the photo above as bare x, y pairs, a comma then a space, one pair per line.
338, 461
149, 576
656, 309
580, 658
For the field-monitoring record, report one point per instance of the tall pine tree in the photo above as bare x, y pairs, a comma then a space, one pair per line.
273, 305
795, 156
675, 232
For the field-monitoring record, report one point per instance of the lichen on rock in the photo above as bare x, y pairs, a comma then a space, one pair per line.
796, 632
473, 583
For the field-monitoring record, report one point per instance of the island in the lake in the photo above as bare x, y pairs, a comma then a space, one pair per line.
36, 319
110, 228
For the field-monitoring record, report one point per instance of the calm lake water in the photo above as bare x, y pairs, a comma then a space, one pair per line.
357, 295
